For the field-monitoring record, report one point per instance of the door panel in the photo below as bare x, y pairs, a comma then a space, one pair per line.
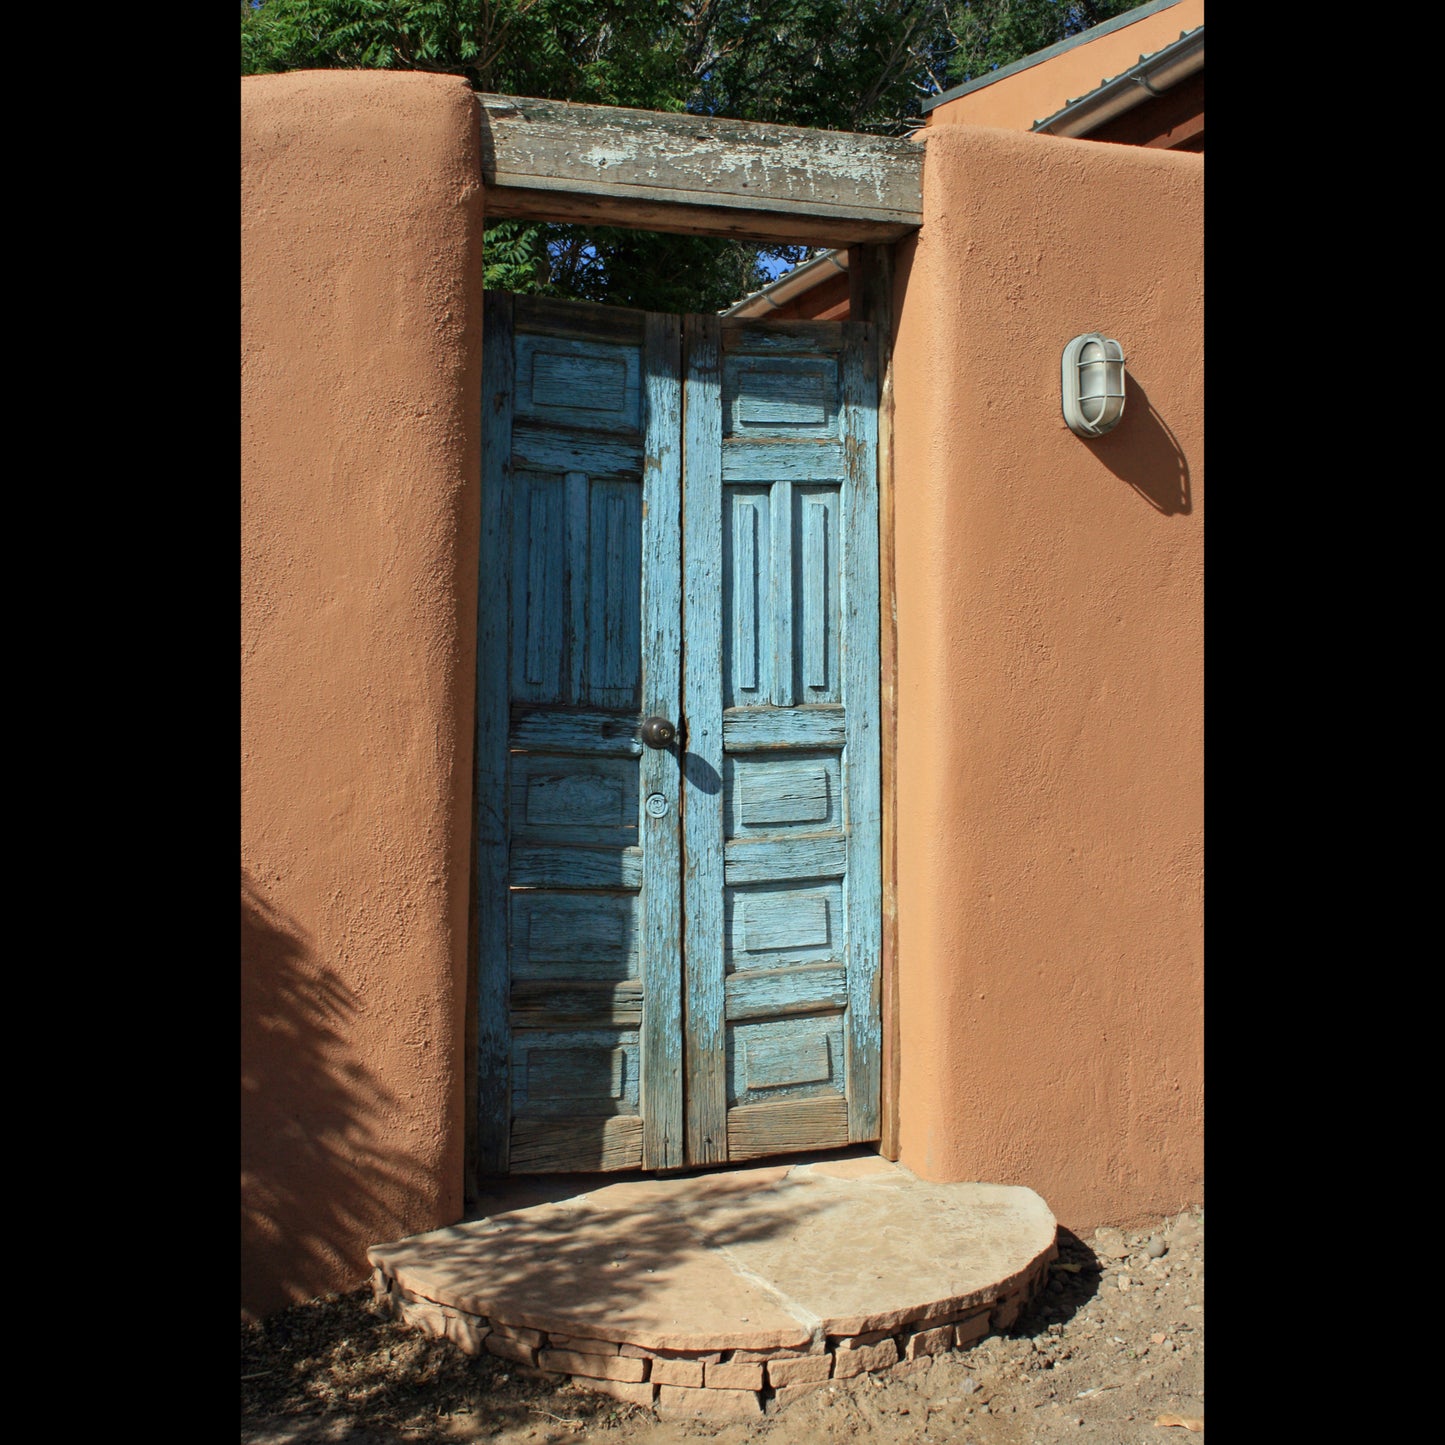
782, 978
580, 963
678, 946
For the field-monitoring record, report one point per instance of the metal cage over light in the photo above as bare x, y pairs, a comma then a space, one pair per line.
1093, 384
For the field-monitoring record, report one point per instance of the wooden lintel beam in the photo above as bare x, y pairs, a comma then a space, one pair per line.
549, 161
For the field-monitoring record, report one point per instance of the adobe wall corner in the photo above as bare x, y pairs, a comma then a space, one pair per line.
1050, 646
361, 370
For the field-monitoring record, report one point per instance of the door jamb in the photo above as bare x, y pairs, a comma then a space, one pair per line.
870, 299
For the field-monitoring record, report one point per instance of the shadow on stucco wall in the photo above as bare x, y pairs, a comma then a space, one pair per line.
1145, 453
314, 1174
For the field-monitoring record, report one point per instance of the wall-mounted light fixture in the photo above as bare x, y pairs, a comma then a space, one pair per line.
1093, 384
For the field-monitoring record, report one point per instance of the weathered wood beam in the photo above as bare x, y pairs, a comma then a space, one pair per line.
545, 160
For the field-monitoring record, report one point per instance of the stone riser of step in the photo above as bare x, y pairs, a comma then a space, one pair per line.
710, 1383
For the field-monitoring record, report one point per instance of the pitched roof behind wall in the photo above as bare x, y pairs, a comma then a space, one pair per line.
1032, 91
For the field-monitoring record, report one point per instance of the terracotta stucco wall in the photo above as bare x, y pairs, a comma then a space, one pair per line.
1030, 94
1050, 678
361, 363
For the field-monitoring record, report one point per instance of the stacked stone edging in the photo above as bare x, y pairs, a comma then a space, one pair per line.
729, 1382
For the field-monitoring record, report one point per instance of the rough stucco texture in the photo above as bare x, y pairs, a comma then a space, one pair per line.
361, 354
1050, 637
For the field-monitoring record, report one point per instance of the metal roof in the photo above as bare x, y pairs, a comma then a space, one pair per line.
1153, 75
1129, 17
803, 277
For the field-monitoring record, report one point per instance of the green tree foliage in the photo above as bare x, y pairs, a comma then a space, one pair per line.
835, 64
861, 65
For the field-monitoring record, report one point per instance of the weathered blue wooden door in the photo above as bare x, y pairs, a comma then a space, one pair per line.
679, 933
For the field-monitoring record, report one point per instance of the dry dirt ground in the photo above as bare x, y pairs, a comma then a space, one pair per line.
1112, 1353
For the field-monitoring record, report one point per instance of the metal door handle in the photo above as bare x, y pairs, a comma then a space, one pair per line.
657, 732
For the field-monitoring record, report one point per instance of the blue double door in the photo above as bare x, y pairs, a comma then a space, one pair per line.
678, 880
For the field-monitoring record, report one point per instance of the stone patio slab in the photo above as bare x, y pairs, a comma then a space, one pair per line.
835, 1255
640, 1278
910, 1251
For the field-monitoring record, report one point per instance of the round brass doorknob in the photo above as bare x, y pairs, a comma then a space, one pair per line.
657, 732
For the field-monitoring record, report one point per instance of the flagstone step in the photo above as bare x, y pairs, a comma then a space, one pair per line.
726, 1293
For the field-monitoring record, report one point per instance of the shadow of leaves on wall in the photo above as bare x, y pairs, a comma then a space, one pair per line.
315, 1174
1144, 452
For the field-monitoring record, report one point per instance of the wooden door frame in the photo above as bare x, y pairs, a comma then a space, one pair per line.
703, 176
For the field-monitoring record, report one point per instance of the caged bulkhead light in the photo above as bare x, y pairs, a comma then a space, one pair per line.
1093, 383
